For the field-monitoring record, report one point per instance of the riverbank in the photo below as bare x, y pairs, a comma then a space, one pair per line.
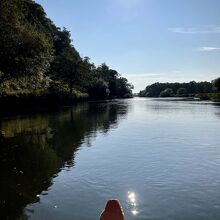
40, 101
200, 90
215, 97
41, 67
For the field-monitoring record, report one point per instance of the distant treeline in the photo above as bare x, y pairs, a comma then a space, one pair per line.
180, 89
38, 58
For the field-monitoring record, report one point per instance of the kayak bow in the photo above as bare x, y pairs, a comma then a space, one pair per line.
113, 211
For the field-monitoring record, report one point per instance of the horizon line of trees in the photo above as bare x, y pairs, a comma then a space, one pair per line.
180, 89
38, 56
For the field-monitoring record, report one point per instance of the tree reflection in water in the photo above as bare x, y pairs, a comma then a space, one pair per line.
34, 149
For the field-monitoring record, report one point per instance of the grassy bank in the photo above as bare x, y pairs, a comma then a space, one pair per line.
29, 101
209, 96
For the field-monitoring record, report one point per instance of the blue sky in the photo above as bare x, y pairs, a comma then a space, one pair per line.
145, 40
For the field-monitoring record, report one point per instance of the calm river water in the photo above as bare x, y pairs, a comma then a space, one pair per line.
160, 157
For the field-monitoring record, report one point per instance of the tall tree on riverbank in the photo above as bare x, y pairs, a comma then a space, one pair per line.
34, 50
118, 86
64, 68
24, 48
216, 83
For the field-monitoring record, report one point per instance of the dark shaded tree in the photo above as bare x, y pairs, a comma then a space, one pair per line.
216, 83
166, 93
181, 91
123, 88
65, 68
190, 88
24, 49
99, 89
40, 58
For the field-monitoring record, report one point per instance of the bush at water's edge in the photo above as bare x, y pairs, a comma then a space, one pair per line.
209, 96
33, 102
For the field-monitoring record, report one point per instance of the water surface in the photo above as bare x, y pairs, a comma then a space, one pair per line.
160, 157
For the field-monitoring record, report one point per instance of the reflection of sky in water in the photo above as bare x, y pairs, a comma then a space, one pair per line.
132, 202
172, 140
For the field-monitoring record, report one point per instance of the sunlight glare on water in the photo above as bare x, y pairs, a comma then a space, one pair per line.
159, 157
132, 202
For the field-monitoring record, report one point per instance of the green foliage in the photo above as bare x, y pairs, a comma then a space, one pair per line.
215, 96
216, 83
24, 49
99, 89
166, 93
118, 86
123, 88
179, 89
66, 67
209, 96
35, 55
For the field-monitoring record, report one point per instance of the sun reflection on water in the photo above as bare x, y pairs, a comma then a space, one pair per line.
132, 202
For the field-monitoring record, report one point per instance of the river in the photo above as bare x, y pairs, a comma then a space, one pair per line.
159, 157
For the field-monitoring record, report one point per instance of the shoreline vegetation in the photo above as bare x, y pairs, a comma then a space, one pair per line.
41, 68
39, 65
198, 90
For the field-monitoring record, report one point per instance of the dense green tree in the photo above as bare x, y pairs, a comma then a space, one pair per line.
99, 89
123, 88
35, 55
181, 91
112, 82
24, 50
118, 86
85, 74
216, 83
66, 68
190, 88
166, 93
102, 71
62, 41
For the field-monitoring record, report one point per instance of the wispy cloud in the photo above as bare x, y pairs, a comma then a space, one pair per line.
207, 29
208, 49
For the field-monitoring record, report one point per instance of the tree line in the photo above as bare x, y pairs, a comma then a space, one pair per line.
180, 89
36, 56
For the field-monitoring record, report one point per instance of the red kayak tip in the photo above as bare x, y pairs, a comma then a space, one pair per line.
113, 211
